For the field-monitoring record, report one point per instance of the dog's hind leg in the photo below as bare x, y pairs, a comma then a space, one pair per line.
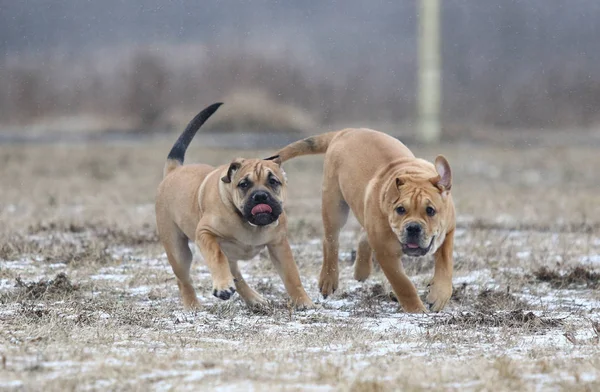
335, 214
180, 258
248, 294
363, 265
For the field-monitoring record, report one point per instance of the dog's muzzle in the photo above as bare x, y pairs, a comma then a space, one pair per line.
261, 208
414, 242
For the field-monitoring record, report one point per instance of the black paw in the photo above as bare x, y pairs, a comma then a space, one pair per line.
224, 294
327, 295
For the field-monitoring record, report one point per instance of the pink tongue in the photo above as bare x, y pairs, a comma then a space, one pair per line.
261, 208
412, 246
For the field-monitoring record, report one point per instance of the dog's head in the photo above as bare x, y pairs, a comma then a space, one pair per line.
257, 188
419, 209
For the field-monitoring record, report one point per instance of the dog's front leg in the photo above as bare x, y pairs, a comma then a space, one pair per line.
283, 260
218, 265
404, 289
440, 288
248, 294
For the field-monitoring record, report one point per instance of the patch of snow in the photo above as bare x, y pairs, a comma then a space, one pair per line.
101, 385
57, 265
60, 364
11, 384
145, 208
215, 340
6, 284
198, 375
505, 218
459, 233
333, 348
588, 377
555, 300
18, 264
114, 362
482, 276
460, 386
400, 322
121, 251
140, 290
591, 259
193, 375
114, 278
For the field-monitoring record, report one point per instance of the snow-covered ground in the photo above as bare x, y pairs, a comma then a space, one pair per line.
89, 302
122, 326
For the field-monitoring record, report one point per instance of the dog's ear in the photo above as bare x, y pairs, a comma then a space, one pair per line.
443, 181
235, 165
275, 158
392, 193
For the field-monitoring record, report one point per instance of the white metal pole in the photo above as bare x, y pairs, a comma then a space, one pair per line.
429, 71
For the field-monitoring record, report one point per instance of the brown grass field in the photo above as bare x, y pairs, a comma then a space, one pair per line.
88, 300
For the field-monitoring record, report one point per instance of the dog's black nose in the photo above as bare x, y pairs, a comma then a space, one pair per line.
413, 228
260, 197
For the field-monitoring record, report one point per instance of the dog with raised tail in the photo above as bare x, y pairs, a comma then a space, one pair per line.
231, 212
403, 204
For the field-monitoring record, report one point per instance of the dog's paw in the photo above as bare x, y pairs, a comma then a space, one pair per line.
224, 294
414, 308
257, 303
410, 304
362, 270
304, 304
439, 295
191, 304
328, 284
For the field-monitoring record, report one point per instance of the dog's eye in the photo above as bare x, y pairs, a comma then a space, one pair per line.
401, 210
430, 211
274, 182
244, 184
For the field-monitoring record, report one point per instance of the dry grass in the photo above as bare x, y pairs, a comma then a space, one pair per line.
88, 300
59, 286
578, 276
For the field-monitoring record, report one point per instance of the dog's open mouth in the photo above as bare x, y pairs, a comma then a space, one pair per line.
261, 209
415, 250
262, 214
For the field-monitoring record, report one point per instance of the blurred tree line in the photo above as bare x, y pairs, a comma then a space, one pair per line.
505, 63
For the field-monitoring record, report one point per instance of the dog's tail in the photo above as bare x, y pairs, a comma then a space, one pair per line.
177, 153
311, 145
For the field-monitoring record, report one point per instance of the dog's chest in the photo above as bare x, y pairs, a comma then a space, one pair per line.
235, 250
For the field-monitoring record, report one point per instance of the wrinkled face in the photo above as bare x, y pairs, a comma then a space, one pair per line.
417, 217
257, 189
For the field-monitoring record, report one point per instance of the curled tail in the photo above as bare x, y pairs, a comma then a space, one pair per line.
177, 153
311, 145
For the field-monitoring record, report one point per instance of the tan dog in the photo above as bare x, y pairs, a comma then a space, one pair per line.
403, 204
231, 212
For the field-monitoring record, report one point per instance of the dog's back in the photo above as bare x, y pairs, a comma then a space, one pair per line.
180, 189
